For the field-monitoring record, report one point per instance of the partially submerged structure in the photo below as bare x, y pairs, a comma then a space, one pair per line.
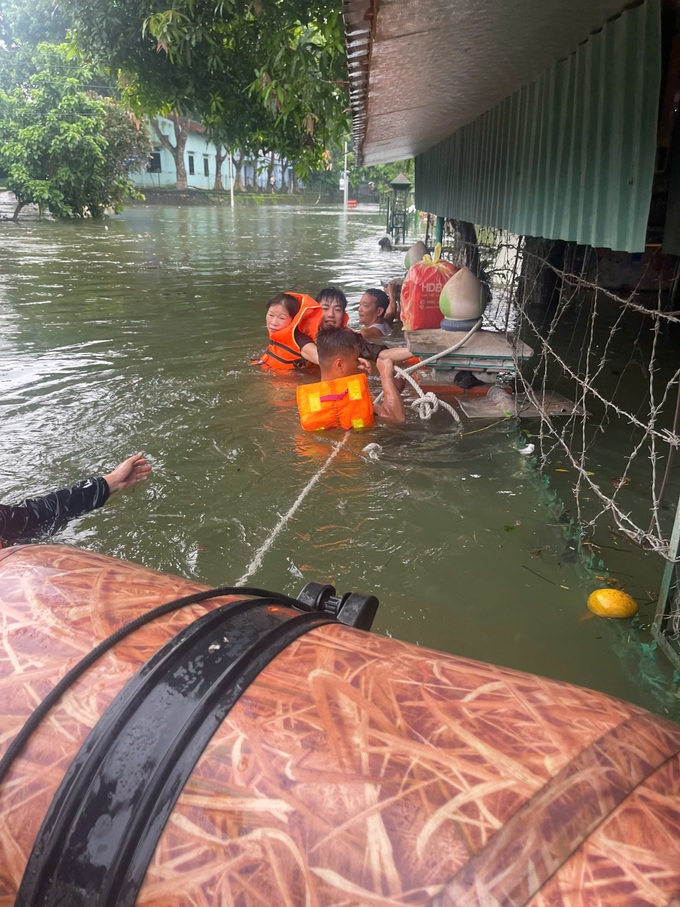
539, 116
553, 126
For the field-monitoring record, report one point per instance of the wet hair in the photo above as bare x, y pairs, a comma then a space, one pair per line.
290, 303
332, 294
382, 300
334, 342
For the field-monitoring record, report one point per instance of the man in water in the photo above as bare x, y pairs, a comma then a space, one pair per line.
342, 399
372, 307
47, 514
334, 303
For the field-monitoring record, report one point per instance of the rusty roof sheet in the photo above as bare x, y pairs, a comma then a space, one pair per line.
421, 69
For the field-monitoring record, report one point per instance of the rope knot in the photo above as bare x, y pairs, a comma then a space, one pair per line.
426, 405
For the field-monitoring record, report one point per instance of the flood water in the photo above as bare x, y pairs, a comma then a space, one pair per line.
138, 334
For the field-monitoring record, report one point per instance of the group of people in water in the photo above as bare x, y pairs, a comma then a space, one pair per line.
306, 332
303, 332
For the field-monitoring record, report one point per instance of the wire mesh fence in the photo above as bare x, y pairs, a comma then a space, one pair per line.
605, 335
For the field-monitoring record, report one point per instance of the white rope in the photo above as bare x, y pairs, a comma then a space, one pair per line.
452, 349
433, 403
256, 562
426, 404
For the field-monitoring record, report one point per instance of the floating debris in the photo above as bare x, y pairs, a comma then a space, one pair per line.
373, 451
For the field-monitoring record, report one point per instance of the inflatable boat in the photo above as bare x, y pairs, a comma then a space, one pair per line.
248, 749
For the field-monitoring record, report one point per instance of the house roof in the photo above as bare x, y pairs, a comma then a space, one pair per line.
421, 69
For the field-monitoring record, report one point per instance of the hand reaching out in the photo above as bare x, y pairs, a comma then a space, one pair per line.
129, 472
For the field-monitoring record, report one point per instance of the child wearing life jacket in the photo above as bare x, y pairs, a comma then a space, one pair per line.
342, 399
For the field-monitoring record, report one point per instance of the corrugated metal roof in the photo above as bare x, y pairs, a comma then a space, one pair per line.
421, 69
570, 156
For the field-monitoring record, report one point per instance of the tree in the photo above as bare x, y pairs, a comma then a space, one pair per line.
63, 147
32, 22
221, 154
23, 25
237, 166
260, 76
181, 129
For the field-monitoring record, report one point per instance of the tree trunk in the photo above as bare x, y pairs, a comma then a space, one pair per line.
181, 135
18, 208
181, 129
271, 179
465, 249
540, 285
238, 178
221, 155
284, 167
293, 181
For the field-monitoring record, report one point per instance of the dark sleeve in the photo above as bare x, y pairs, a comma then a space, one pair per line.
302, 339
368, 350
49, 513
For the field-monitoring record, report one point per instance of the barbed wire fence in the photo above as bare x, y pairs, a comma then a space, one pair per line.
613, 353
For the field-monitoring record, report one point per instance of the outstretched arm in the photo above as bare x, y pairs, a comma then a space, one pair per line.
392, 408
392, 311
396, 353
47, 514
129, 472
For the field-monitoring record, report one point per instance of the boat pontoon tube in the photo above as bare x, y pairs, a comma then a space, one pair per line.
237, 752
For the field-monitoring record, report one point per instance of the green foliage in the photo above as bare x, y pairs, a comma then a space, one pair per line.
383, 174
326, 182
63, 147
32, 22
267, 76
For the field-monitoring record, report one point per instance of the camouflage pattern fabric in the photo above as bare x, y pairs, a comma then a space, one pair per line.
47, 514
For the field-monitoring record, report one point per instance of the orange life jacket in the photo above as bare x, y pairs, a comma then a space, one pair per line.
283, 352
340, 403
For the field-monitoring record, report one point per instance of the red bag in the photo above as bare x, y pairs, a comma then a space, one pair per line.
421, 289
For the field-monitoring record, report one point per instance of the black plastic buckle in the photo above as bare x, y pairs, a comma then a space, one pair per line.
352, 609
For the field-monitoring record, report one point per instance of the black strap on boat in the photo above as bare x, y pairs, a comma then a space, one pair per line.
107, 816
88, 660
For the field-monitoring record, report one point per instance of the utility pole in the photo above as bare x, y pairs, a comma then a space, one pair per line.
345, 183
231, 179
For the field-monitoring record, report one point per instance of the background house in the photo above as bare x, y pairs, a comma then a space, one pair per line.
200, 161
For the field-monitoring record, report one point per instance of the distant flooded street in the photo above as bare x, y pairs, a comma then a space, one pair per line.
138, 334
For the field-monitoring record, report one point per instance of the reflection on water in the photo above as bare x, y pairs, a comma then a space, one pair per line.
138, 334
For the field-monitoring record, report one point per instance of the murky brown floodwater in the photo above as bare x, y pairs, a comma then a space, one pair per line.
138, 334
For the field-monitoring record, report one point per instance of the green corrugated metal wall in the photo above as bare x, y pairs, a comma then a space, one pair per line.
570, 156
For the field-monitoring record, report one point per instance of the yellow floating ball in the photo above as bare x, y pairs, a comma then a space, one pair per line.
612, 603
